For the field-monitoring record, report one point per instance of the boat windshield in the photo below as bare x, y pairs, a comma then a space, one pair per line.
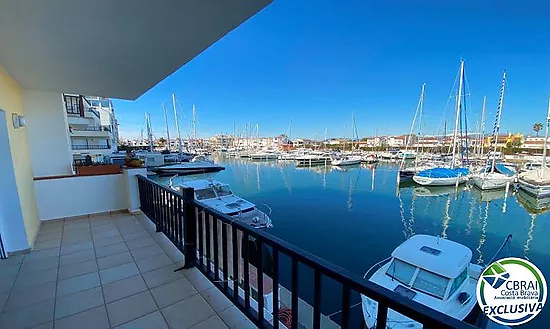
431, 283
207, 193
223, 190
458, 281
425, 281
401, 271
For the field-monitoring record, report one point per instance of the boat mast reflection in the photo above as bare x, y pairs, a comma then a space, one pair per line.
526, 248
483, 235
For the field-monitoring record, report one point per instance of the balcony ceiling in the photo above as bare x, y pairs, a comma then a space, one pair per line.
110, 48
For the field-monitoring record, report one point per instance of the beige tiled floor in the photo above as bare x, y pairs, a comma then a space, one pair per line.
109, 271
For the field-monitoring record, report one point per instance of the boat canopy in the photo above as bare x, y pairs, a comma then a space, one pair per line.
434, 254
502, 169
443, 172
536, 177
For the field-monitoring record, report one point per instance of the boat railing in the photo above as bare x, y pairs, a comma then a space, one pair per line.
376, 267
254, 281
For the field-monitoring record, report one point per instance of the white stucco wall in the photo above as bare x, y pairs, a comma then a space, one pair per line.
47, 133
12, 228
84, 195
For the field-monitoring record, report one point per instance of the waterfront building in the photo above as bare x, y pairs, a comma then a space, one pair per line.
90, 133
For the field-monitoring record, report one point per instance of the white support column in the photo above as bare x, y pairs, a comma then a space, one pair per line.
12, 226
132, 187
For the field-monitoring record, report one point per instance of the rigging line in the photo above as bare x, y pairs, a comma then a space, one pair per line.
466, 123
444, 117
338, 312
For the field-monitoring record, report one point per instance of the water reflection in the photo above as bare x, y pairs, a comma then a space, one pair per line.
358, 210
531, 204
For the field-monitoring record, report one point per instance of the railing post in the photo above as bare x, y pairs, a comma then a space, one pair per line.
189, 227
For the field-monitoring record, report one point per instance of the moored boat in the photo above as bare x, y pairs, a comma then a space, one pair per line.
348, 160
455, 174
495, 176
369, 158
429, 270
220, 197
432, 271
442, 176
537, 182
188, 168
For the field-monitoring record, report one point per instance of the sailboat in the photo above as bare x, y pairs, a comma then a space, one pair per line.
495, 176
453, 175
348, 160
537, 182
410, 171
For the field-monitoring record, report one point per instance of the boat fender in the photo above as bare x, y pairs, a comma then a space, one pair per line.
463, 297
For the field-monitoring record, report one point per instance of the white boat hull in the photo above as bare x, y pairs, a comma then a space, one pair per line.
433, 181
345, 162
492, 181
539, 191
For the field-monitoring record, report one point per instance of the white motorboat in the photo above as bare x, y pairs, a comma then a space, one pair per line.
313, 160
369, 158
264, 156
390, 155
537, 182
347, 160
531, 166
219, 196
406, 155
432, 271
188, 168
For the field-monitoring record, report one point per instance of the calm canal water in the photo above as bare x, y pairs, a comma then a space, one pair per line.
355, 217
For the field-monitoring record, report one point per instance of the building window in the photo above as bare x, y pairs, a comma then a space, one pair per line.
72, 104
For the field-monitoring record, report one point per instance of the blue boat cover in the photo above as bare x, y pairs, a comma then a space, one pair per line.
500, 168
443, 172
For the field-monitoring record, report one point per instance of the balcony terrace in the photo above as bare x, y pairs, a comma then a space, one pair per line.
108, 271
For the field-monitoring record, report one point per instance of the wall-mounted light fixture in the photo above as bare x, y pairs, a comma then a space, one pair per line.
18, 121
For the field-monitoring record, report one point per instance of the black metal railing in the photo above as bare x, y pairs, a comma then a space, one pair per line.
249, 266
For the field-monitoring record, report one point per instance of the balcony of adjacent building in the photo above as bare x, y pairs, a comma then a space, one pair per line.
89, 131
79, 110
79, 143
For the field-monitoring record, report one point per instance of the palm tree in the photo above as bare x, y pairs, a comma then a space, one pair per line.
537, 127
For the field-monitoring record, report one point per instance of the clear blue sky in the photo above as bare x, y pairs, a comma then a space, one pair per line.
317, 61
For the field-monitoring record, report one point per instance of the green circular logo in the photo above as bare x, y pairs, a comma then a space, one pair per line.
511, 291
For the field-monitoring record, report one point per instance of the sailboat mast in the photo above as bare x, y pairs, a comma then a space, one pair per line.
421, 107
194, 125
497, 123
458, 105
180, 150
352, 129
482, 139
167, 130
149, 133
325, 144
546, 138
